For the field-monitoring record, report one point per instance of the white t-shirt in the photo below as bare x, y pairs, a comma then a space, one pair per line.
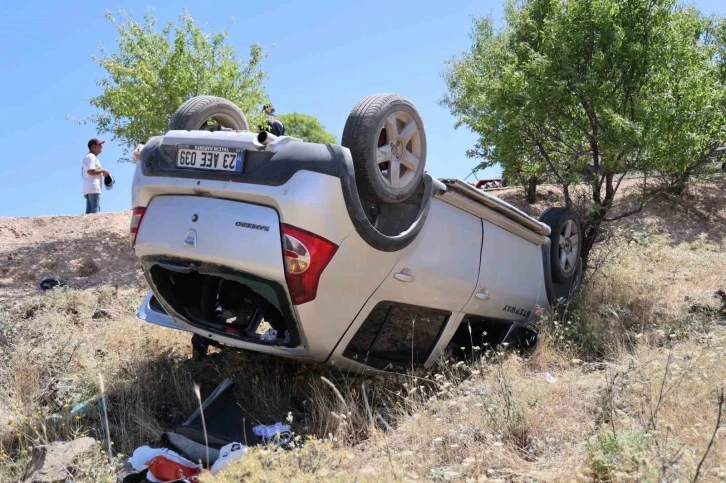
91, 183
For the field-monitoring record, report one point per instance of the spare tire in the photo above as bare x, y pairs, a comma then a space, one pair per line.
387, 141
194, 115
565, 243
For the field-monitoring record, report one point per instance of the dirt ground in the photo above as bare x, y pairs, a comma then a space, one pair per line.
84, 251
700, 212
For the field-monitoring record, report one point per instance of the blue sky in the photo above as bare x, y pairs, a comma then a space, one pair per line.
323, 56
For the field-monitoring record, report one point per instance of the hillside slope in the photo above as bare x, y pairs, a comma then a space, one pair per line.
93, 250
623, 387
85, 251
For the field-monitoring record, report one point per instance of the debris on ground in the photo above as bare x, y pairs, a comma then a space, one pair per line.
225, 423
227, 455
191, 450
278, 434
269, 335
82, 409
49, 283
58, 392
160, 465
51, 462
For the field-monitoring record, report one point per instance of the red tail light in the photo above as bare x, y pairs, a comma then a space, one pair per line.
306, 256
136, 217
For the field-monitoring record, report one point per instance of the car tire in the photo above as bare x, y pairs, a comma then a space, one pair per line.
564, 293
388, 168
194, 114
565, 244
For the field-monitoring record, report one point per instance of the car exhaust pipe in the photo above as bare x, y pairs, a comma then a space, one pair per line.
265, 138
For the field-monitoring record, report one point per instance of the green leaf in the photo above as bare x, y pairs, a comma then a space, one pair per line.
306, 127
156, 69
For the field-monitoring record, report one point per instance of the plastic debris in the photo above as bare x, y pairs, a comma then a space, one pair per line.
191, 449
227, 455
164, 465
83, 408
269, 335
225, 421
278, 433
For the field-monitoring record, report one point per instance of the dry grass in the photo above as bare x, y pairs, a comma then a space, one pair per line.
622, 386
511, 422
52, 350
649, 291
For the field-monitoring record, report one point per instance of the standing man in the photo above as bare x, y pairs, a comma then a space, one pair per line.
275, 125
92, 175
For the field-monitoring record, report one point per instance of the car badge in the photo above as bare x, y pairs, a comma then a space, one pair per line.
191, 239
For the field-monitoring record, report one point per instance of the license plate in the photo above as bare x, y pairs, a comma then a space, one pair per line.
210, 158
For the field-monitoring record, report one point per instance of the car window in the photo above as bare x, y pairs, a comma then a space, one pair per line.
482, 332
397, 333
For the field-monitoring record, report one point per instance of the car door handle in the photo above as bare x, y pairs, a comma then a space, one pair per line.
404, 277
482, 295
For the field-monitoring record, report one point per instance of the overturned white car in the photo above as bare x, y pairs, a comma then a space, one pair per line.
345, 254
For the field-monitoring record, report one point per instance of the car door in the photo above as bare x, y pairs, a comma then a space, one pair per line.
440, 269
431, 282
511, 277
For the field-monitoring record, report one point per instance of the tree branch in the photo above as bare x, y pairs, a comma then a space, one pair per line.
638, 209
544, 154
609, 191
617, 186
721, 402
597, 188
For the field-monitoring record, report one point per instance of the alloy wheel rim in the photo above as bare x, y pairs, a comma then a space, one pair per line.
569, 247
398, 153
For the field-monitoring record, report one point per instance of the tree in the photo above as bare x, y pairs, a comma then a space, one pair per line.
154, 72
307, 128
582, 89
481, 88
721, 59
690, 111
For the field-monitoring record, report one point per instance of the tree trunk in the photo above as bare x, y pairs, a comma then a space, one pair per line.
591, 230
531, 190
593, 223
680, 182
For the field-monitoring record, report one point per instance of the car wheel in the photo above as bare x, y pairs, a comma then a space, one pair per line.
566, 241
564, 293
386, 138
197, 112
